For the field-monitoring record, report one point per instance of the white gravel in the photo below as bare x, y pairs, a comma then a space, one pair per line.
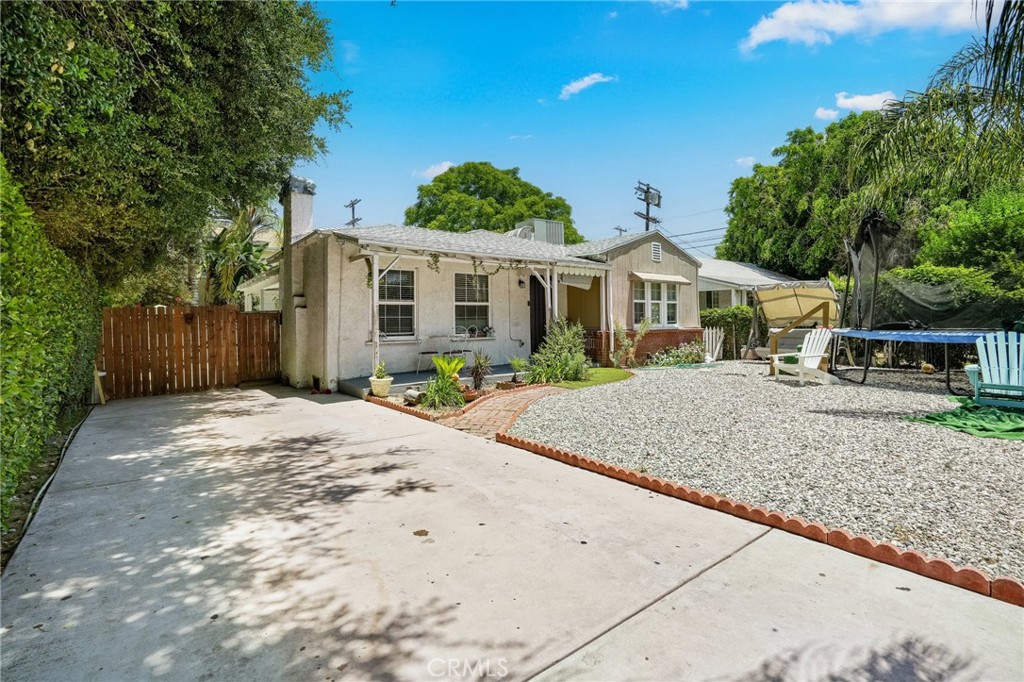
837, 454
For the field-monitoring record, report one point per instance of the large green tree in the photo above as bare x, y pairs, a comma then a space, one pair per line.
125, 122
792, 217
987, 234
478, 196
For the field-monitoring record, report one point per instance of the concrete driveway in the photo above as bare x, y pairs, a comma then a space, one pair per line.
265, 534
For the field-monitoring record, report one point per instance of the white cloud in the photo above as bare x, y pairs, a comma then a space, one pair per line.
864, 102
581, 84
349, 51
669, 5
613, 15
746, 161
431, 172
813, 22
520, 137
825, 114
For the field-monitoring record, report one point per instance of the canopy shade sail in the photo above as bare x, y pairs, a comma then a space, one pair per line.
784, 303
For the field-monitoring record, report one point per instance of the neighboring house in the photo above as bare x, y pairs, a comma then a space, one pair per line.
725, 283
479, 290
263, 292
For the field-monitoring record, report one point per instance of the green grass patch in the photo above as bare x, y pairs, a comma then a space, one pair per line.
598, 376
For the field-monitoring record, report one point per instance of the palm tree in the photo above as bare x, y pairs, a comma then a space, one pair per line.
235, 249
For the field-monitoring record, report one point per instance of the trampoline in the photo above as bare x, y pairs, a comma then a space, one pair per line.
943, 336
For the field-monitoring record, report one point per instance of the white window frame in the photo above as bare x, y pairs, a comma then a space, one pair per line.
663, 301
455, 309
381, 302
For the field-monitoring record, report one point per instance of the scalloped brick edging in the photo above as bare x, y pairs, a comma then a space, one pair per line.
1001, 588
431, 417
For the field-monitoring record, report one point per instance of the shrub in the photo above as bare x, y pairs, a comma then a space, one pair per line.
443, 390
735, 321
49, 328
561, 356
684, 354
519, 366
481, 369
624, 354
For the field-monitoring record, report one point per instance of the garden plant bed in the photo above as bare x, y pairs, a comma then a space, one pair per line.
397, 402
840, 455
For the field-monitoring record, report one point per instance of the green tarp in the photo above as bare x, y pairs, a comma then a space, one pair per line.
979, 420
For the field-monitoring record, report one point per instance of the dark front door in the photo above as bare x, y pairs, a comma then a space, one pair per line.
538, 314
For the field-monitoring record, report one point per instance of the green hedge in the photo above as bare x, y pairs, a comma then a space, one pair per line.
736, 323
49, 327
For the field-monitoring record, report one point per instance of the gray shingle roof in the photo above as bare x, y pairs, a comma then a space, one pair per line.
478, 242
740, 274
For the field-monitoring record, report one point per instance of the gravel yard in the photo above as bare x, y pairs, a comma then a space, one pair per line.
840, 455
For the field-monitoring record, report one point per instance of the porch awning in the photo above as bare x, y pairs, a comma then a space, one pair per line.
653, 277
578, 281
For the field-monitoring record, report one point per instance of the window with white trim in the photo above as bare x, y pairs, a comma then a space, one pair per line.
656, 301
397, 307
656, 252
472, 303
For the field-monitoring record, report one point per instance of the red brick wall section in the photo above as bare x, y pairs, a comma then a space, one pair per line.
657, 339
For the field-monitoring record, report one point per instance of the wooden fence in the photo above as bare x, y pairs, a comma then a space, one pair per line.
160, 350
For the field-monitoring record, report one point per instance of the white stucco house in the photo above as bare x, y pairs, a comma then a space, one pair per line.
438, 290
724, 283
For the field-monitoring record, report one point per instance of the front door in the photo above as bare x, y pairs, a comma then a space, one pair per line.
538, 314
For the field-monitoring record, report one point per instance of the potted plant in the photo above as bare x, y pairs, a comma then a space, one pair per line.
380, 382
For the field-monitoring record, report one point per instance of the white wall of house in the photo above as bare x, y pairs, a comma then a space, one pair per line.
338, 313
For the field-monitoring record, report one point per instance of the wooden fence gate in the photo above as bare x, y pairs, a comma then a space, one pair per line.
159, 350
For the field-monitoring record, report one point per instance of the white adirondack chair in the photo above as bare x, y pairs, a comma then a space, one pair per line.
815, 349
713, 339
998, 378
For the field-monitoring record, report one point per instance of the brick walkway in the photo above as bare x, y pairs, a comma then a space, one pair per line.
496, 413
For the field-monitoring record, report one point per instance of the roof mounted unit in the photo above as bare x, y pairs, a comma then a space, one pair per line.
541, 230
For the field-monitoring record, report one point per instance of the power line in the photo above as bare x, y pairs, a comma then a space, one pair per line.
690, 215
684, 234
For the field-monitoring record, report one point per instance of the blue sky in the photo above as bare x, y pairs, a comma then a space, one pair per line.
588, 98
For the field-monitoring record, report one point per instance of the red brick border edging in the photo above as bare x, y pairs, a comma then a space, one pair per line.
1001, 588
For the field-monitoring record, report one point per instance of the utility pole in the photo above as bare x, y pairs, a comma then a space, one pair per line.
621, 230
355, 220
651, 197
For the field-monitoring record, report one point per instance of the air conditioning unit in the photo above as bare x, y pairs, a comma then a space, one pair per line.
549, 231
